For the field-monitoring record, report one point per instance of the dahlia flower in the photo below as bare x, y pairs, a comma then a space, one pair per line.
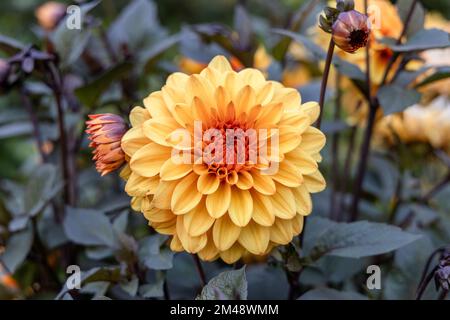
418, 124
219, 196
105, 132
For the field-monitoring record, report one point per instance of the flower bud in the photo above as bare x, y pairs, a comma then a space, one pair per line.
105, 132
351, 31
50, 14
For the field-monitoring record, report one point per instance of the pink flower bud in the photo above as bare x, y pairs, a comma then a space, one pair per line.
351, 31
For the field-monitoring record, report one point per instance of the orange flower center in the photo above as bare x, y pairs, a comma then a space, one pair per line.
228, 148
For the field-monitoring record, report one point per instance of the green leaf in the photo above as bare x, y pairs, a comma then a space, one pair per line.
425, 39
354, 240
90, 93
10, 130
439, 74
153, 255
315, 49
109, 274
137, 26
417, 20
99, 253
130, 286
228, 285
331, 294
151, 56
243, 27
152, 290
120, 223
97, 289
299, 19
70, 43
17, 248
88, 227
41, 188
393, 98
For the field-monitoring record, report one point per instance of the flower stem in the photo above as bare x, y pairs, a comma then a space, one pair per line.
69, 194
335, 154
200, 271
323, 86
365, 149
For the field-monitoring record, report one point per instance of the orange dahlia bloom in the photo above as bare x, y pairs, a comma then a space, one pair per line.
249, 203
105, 132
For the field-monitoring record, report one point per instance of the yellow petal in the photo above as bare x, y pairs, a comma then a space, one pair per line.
218, 202
166, 227
270, 115
175, 244
140, 186
133, 140
265, 94
303, 202
198, 221
138, 115
297, 225
245, 180
233, 254
156, 106
225, 233
313, 140
283, 202
159, 129
209, 252
185, 195
252, 77
174, 171
289, 97
163, 194
315, 182
182, 113
289, 138
147, 161
177, 80
312, 109
220, 63
288, 174
199, 87
263, 183
190, 244
281, 231
222, 100
255, 238
158, 215
262, 209
245, 100
295, 119
302, 160
241, 207
208, 183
